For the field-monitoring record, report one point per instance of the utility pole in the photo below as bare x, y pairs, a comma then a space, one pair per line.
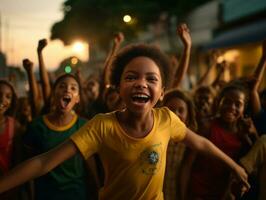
0, 33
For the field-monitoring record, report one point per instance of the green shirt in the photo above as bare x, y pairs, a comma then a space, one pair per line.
67, 181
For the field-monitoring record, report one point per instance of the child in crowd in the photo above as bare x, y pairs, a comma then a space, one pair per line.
24, 113
112, 100
180, 104
203, 99
131, 143
68, 180
230, 132
9, 132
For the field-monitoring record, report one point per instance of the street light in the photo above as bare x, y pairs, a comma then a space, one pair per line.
127, 18
78, 47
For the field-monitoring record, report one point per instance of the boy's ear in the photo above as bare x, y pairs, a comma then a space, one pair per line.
162, 94
78, 99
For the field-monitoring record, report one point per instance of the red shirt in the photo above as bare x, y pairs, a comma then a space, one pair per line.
209, 177
6, 143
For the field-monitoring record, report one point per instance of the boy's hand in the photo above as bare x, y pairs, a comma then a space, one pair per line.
222, 66
247, 126
119, 38
42, 43
183, 32
242, 178
248, 130
27, 64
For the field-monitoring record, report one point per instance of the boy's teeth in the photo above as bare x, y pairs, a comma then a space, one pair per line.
140, 96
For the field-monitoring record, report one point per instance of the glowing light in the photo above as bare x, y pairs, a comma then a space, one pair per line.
78, 47
231, 55
74, 60
127, 18
68, 69
220, 59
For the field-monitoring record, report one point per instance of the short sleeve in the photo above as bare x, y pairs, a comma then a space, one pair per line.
88, 138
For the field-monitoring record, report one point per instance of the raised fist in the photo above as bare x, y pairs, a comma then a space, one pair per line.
42, 43
27, 64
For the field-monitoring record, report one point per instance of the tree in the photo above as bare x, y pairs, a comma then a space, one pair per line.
97, 20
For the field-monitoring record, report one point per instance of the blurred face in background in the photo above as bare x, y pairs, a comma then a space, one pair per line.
232, 105
203, 102
179, 107
6, 96
92, 89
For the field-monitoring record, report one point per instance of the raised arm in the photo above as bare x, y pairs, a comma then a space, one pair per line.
212, 61
33, 93
44, 77
83, 99
118, 39
221, 68
257, 76
185, 37
204, 146
37, 166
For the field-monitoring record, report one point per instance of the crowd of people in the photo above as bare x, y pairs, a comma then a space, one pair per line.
133, 132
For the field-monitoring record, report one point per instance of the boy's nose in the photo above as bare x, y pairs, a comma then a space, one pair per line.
141, 83
232, 106
68, 88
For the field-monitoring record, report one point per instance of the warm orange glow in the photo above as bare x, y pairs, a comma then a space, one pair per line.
231, 55
74, 60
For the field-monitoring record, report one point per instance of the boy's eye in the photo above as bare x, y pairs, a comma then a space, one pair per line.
74, 88
61, 86
152, 78
130, 77
238, 104
9, 96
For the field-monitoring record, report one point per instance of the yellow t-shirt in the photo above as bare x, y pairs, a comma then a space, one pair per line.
134, 167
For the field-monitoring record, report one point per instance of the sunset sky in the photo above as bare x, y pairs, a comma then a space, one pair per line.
23, 23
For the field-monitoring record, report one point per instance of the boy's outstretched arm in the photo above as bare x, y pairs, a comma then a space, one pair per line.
46, 87
37, 166
185, 37
202, 145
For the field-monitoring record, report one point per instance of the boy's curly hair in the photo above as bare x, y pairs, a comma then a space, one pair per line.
132, 51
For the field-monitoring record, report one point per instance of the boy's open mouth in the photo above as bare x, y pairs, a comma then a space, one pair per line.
65, 100
140, 98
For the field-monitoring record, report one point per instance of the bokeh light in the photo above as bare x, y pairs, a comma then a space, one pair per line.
78, 47
74, 61
68, 69
127, 18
